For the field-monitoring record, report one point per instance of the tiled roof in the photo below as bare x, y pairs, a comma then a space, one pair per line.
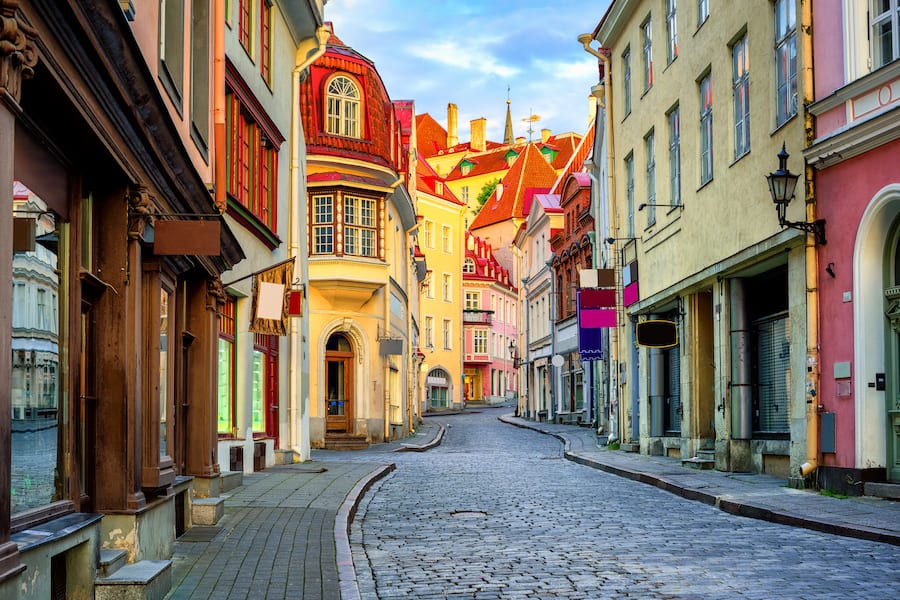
487, 268
530, 172
576, 159
427, 180
431, 137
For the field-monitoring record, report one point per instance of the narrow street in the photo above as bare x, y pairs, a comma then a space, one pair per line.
497, 512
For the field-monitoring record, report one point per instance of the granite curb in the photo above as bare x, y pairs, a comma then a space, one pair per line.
342, 520
723, 502
436, 441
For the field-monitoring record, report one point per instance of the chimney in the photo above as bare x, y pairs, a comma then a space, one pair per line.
545, 135
452, 135
520, 139
477, 137
499, 189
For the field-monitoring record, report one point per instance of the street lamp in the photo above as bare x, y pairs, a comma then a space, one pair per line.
781, 185
514, 353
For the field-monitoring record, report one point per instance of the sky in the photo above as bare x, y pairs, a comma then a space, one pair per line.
470, 51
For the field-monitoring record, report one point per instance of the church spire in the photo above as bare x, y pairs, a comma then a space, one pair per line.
508, 133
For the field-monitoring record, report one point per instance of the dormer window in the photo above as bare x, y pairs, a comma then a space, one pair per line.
549, 154
343, 107
469, 266
511, 157
465, 167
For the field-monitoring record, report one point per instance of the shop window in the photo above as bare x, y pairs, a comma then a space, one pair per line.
226, 364
38, 468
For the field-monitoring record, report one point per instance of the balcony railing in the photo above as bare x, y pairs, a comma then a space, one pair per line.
477, 317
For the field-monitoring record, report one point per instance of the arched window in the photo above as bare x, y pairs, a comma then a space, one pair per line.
343, 104
469, 266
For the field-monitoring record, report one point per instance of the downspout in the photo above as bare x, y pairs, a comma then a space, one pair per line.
605, 101
309, 50
812, 262
219, 133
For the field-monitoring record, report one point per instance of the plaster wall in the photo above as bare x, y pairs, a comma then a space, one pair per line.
861, 195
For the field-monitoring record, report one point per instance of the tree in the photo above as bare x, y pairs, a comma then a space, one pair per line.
486, 191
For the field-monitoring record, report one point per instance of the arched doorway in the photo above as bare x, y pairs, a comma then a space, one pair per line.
438, 389
338, 384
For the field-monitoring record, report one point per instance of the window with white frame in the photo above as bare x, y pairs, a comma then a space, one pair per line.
650, 151
740, 62
429, 287
706, 130
647, 53
342, 107
671, 32
428, 232
702, 11
446, 238
447, 287
447, 330
885, 19
785, 60
479, 341
465, 194
429, 331
674, 120
629, 193
359, 226
469, 266
473, 300
323, 224
626, 82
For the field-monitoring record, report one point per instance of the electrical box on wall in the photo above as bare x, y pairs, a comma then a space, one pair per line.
827, 432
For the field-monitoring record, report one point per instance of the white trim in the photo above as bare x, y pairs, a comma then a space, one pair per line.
868, 330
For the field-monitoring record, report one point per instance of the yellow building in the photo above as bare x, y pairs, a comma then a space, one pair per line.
703, 97
361, 268
440, 238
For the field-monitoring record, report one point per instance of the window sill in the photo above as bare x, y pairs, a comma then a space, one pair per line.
738, 159
779, 127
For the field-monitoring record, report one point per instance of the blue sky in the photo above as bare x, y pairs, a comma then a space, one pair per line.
469, 51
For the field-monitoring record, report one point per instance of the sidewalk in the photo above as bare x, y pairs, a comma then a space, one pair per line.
285, 533
756, 496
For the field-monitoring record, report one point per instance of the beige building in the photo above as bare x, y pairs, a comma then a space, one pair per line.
440, 238
703, 96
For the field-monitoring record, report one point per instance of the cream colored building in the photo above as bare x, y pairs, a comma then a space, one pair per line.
703, 97
440, 237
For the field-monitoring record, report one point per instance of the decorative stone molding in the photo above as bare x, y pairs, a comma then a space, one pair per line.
215, 294
18, 55
141, 211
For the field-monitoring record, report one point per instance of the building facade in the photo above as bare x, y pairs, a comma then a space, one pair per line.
851, 159
441, 234
693, 253
361, 218
490, 312
536, 348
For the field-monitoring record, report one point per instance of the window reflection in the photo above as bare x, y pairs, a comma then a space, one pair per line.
36, 342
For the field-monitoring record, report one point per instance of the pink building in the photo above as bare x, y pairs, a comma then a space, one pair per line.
489, 323
855, 160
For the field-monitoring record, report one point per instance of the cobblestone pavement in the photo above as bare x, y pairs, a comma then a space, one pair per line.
496, 512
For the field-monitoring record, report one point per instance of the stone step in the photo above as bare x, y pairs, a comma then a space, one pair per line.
207, 511
882, 489
629, 447
705, 454
143, 580
698, 463
231, 480
111, 560
345, 441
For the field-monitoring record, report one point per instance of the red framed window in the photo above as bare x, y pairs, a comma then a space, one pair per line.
252, 165
226, 368
245, 24
265, 385
265, 36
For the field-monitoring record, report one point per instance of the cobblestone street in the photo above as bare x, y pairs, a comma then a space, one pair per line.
497, 512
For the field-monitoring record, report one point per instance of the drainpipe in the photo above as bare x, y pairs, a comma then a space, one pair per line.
219, 133
309, 50
812, 263
604, 98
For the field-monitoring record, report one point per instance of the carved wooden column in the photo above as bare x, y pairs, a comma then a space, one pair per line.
17, 58
205, 300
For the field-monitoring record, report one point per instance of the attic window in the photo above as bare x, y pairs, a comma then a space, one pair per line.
511, 157
549, 154
469, 266
439, 188
465, 167
343, 107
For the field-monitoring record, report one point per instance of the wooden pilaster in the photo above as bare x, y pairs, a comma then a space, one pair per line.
17, 57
